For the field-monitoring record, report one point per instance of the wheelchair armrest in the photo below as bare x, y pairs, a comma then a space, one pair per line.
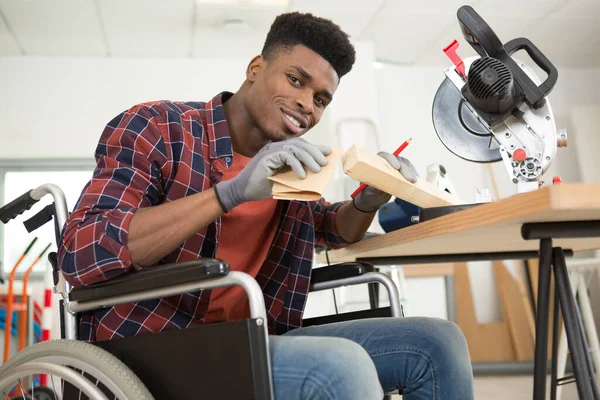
353, 273
340, 271
156, 277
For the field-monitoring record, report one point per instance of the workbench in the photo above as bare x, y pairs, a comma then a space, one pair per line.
546, 223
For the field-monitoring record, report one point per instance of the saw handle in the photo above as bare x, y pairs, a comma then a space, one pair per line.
483, 39
478, 33
538, 57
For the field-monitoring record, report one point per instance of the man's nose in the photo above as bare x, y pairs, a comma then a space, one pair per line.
305, 102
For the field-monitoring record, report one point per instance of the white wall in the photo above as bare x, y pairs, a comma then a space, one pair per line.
586, 119
57, 107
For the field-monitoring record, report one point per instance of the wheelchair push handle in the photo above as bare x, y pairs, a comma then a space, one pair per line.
17, 207
24, 202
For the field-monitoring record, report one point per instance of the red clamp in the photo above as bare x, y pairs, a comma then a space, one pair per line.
450, 51
556, 180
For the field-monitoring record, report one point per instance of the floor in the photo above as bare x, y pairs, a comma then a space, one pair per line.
511, 387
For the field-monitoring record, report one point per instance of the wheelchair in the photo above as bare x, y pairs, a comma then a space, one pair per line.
162, 365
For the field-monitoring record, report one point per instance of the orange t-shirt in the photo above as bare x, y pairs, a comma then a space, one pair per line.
246, 236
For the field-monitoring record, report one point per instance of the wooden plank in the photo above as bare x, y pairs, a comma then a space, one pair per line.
488, 227
428, 270
534, 275
367, 167
523, 289
516, 311
486, 342
465, 308
497, 345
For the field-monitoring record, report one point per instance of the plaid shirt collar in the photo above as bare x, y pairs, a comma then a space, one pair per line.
217, 127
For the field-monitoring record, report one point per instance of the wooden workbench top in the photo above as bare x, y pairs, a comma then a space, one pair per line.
491, 227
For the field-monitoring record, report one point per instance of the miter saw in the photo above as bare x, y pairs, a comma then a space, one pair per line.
493, 107
489, 108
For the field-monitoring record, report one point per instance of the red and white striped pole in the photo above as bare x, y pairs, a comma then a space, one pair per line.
47, 313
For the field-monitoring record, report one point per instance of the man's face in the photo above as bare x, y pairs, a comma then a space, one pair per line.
290, 92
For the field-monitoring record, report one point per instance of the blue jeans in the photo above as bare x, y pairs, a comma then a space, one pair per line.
426, 358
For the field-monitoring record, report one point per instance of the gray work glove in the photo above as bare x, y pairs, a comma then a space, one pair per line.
370, 199
252, 182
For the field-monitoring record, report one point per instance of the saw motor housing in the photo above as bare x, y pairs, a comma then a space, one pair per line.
498, 110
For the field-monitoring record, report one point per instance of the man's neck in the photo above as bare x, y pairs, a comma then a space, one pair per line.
246, 137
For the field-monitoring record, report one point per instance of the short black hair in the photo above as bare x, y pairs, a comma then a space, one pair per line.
318, 34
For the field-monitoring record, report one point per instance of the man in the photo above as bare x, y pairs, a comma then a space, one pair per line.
177, 181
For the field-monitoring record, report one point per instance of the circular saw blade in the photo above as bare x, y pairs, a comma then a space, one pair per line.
459, 130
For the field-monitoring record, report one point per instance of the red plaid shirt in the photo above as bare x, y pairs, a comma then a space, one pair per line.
159, 152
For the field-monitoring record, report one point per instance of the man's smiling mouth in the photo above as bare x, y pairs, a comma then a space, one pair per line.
293, 120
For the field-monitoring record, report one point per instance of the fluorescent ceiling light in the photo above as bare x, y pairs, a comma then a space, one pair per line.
236, 26
245, 2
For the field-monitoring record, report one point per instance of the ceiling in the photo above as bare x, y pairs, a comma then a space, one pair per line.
403, 32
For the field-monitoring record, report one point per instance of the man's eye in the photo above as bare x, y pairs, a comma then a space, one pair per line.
319, 100
294, 80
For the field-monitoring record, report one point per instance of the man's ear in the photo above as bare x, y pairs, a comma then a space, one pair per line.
255, 67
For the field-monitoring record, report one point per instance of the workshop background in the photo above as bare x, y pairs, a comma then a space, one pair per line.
67, 67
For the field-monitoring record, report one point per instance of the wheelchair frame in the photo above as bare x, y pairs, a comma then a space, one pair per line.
77, 300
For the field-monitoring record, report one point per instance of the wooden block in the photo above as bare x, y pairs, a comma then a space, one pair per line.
367, 167
494, 343
287, 185
487, 342
516, 311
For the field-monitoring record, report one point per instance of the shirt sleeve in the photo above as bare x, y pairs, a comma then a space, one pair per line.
129, 162
326, 233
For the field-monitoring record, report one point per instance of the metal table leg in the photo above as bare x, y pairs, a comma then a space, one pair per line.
541, 320
584, 377
555, 340
588, 320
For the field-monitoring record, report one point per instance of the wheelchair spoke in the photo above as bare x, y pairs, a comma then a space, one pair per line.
21, 387
54, 387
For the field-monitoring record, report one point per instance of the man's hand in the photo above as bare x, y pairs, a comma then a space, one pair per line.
370, 199
252, 182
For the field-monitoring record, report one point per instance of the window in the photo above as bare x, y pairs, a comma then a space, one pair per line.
17, 179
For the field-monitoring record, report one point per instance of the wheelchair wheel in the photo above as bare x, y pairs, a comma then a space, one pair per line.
43, 393
82, 386
39, 393
99, 366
